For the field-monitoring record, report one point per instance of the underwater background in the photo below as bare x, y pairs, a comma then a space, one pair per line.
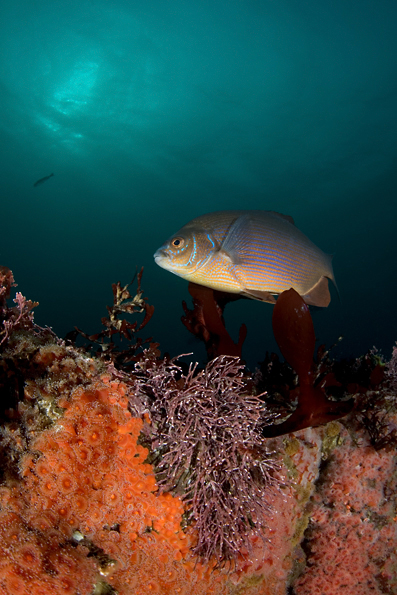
152, 113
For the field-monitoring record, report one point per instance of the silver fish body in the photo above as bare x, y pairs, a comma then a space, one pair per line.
257, 254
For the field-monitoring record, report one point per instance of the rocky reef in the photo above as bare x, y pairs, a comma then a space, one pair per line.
124, 472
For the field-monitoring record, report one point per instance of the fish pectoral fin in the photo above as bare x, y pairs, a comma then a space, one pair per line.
225, 256
263, 296
236, 241
319, 294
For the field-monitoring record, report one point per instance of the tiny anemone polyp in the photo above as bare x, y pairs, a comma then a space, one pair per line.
113, 499
42, 469
83, 453
49, 487
29, 556
66, 483
80, 503
94, 436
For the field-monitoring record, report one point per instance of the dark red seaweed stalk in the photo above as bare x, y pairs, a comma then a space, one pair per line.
206, 321
294, 332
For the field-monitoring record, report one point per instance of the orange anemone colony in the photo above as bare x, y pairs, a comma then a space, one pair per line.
85, 481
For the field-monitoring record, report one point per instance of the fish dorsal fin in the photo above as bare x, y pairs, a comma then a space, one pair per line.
286, 217
319, 294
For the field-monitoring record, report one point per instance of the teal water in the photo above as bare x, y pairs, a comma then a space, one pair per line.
152, 113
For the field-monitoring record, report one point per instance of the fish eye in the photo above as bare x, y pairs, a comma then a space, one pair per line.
177, 242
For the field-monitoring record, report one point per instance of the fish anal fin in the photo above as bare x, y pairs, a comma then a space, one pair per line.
319, 294
263, 296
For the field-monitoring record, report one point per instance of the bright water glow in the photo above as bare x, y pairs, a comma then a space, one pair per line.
76, 93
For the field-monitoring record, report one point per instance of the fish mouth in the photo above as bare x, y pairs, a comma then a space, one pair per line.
160, 255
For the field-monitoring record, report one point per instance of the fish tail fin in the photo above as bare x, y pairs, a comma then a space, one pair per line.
331, 275
337, 289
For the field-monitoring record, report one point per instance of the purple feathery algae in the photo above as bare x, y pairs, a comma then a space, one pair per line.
207, 447
20, 316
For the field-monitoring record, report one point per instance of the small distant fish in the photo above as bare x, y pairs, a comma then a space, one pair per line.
257, 254
42, 180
